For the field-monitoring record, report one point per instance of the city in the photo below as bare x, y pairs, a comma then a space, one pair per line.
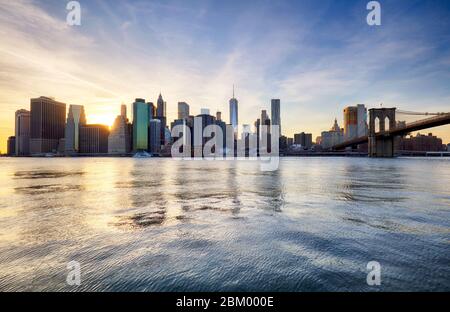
214, 155
44, 130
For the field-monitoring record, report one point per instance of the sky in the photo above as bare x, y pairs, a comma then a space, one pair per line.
316, 56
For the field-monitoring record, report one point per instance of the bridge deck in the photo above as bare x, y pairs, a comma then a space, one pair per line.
436, 121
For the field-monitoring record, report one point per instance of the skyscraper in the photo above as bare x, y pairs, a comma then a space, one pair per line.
362, 120
183, 110
22, 141
234, 114
75, 119
119, 137
161, 107
141, 112
94, 139
11, 146
350, 122
154, 136
275, 113
48, 118
355, 121
161, 115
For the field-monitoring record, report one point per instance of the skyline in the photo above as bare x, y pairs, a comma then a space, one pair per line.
302, 53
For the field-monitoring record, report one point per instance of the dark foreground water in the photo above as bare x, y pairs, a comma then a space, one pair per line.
167, 225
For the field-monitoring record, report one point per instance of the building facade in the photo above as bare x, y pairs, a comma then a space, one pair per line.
303, 139
332, 137
119, 141
350, 122
11, 145
141, 113
155, 136
275, 113
422, 143
75, 119
183, 110
234, 120
47, 124
94, 139
22, 131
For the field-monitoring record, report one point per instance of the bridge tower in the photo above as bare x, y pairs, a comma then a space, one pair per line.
381, 144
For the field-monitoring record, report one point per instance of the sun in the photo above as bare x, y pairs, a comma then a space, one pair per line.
106, 119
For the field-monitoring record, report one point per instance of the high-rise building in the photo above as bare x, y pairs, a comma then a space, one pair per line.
204, 111
119, 137
275, 113
22, 138
11, 146
161, 115
362, 120
161, 107
48, 118
218, 116
75, 119
355, 121
350, 122
141, 113
183, 110
234, 121
154, 136
94, 139
303, 139
152, 110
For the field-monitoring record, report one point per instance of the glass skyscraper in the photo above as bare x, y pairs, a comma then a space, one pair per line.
275, 113
75, 119
234, 114
141, 113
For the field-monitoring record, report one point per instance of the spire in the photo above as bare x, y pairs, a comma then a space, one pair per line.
233, 90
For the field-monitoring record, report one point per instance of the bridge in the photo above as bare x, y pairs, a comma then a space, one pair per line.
381, 143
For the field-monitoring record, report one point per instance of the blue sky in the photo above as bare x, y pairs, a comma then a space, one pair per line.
316, 56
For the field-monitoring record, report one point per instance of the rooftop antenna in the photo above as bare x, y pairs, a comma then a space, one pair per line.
233, 90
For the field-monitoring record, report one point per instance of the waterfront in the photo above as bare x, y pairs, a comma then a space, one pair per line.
171, 225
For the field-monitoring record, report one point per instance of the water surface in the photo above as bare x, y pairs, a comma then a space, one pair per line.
168, 225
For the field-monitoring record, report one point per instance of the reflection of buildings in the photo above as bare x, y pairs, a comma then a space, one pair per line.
48, 119
22, 138
426, 143
75, 119
119, 140
94, 139
332, 137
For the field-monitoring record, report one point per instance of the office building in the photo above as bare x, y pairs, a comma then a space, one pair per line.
22, 131
303, 139
119, 139
11, 146
183, 110
204, 111
422, 143
47, 122
275, 113
94, 139
141, 113
332, 137
161, 115
155, 136
234, 121
218, 116
362, 129
350, 122
75, 119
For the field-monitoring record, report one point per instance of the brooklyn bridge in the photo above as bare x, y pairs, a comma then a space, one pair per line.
381, 141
